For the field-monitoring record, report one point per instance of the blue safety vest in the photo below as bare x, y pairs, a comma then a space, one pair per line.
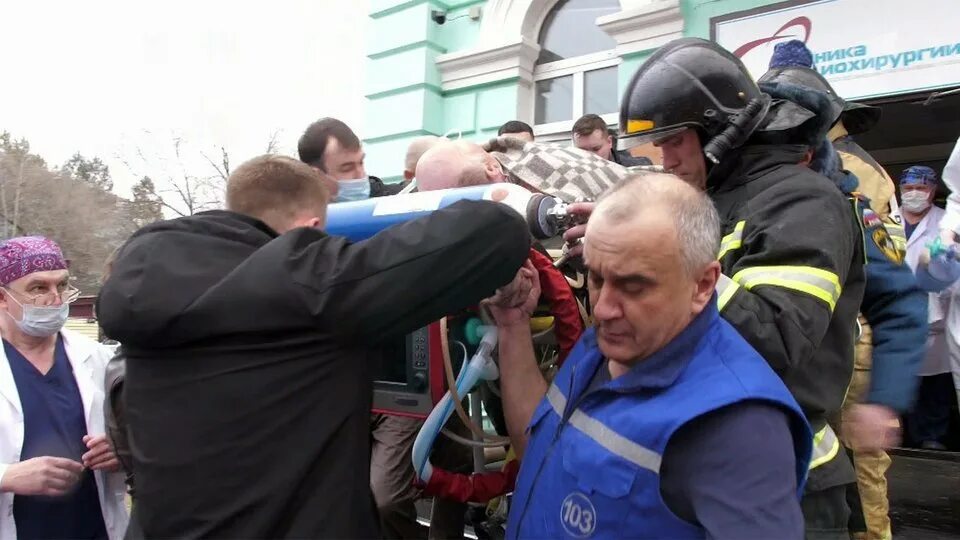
591, 466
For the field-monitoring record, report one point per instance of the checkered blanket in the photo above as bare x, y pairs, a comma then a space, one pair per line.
563, 171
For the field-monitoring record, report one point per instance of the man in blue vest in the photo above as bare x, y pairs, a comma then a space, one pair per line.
663, 422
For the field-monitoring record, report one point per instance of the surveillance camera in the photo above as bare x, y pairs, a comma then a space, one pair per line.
438, 16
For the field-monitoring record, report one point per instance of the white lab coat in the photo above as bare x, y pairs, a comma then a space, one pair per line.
951, 177
951, 221
88, 359
937, 360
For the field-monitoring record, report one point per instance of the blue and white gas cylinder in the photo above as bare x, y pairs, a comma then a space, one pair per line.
359, 220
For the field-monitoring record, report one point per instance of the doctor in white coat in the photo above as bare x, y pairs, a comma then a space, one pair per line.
950, 225
54, 457
949, 233
922, 221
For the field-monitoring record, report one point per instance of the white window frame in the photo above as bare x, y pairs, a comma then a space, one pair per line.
577, 67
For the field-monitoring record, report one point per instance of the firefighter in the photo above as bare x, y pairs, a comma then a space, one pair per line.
855, 118
894, 313
792, 252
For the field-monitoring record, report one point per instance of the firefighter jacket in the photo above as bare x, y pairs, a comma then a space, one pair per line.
896, 309
793, 278
875, 184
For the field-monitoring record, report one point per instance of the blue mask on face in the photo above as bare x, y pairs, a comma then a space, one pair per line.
352, 190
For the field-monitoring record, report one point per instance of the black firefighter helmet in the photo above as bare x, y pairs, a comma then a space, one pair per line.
692, 83
857, 117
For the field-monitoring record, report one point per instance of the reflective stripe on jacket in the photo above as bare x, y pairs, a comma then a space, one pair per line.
792, 256
592, 464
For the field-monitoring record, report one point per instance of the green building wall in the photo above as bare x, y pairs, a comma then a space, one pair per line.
403, 87
696, 23
403, 84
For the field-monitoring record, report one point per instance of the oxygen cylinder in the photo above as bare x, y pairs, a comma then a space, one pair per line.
359, 220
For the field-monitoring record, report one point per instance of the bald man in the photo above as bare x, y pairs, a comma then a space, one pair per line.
563, 171
415, 151
457, 164
436, 163
445, 165
721, 450
391, 441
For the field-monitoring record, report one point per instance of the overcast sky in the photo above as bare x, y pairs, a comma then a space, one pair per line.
105, 77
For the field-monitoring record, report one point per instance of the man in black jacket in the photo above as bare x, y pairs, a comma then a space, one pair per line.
590, 133
249, 335
332, 147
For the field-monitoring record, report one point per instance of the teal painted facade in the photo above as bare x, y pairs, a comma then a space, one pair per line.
403, 87
405, 92
696, 23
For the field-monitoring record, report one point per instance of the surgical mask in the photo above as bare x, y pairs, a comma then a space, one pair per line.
353, 190
41, 321
915, 201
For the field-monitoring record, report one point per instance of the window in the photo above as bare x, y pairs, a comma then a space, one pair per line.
600, 91
576, 72
554, 100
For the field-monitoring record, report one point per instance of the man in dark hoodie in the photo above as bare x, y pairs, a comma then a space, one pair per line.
250, 336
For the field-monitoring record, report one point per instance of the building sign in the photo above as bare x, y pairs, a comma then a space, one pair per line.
865, 48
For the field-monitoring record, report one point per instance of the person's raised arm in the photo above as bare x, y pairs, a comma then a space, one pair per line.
521, 382
411, 274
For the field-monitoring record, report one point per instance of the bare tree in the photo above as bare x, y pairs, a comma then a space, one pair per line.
72, 209
195, 192
175, 187
187, 180
88, 170
273, 144
18, 190
146, 207
17, 167
223, 167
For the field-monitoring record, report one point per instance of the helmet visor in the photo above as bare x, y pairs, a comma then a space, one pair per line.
626, 142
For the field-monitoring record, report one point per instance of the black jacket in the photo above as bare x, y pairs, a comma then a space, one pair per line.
624, 158
792, 256
379, 189
114, 415
892, 344
248, 383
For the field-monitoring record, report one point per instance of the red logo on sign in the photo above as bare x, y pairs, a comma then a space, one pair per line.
802, 22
